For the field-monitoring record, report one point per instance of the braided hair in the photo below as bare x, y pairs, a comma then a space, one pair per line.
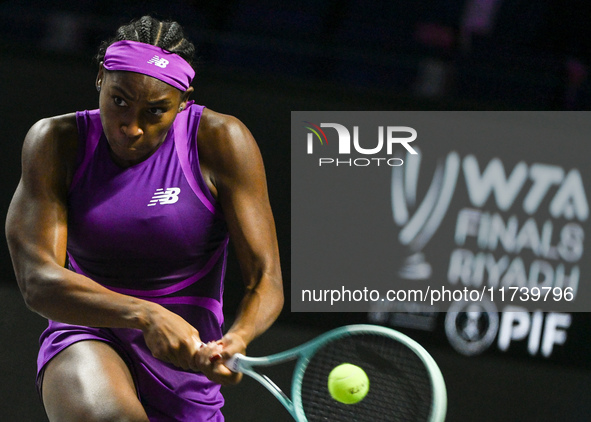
164, 34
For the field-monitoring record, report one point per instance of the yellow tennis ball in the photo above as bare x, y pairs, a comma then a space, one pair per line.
348, 383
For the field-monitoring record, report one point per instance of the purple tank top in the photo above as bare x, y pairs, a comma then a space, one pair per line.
152, 230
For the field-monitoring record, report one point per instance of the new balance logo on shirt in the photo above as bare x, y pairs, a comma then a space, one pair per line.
165, 197
158, 62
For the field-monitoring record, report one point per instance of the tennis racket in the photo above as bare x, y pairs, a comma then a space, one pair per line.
405, 382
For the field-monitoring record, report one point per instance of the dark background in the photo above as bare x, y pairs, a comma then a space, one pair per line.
259, 61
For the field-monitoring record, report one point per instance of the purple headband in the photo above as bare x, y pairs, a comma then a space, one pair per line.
133, 56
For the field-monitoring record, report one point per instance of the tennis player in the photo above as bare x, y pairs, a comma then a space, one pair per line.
119, 232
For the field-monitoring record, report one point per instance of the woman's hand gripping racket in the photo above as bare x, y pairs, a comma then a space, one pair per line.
403, 382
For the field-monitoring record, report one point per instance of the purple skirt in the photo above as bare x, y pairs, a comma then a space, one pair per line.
167, 393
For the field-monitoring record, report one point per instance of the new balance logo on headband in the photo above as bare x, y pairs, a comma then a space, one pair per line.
158, 62
130, 56
170, 196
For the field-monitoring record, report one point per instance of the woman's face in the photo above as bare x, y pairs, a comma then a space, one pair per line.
136, 113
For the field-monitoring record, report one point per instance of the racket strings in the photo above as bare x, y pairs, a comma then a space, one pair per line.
400, 386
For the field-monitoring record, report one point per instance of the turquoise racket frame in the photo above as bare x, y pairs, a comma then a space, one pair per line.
303, 352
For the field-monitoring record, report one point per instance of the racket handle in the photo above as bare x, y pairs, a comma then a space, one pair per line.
212, 358
233, 364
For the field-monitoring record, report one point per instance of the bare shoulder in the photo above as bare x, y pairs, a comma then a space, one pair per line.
51, 144
224, 140
58, 132
223, 130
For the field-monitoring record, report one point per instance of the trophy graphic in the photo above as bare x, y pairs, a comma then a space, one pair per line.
419, 228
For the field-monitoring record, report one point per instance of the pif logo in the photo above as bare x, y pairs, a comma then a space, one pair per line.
387, 136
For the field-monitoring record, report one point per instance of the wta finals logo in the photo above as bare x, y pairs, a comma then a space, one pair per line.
417, 229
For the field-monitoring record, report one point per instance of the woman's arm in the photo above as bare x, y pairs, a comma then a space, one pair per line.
233, 168
36, 230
